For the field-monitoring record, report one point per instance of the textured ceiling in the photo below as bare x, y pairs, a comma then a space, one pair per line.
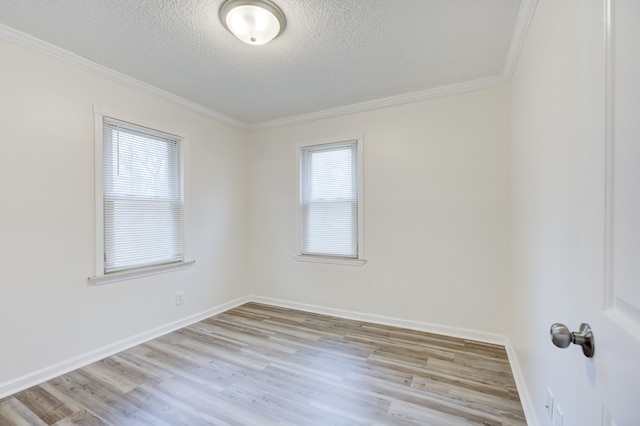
332, 54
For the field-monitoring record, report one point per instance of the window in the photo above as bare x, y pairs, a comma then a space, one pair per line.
141, 203
330, 213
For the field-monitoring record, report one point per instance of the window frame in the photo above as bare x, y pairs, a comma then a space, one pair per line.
300, 256
100, 276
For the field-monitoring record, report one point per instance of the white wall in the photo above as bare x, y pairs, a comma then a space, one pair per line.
546, 207
436, 214
470, 208
436, 185
49, 313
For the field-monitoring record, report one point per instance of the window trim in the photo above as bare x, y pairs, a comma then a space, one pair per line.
360, 260
100, 277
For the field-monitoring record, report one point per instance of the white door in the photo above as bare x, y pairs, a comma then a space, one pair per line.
609, 387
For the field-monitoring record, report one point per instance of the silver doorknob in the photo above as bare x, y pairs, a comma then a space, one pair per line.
562, 338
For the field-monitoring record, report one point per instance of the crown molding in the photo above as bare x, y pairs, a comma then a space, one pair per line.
21, 39
525, 14
523, 21
422, 95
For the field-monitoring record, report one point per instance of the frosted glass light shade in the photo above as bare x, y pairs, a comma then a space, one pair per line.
252, 21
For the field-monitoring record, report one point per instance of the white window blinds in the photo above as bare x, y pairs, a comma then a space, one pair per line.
329, 200
143, 197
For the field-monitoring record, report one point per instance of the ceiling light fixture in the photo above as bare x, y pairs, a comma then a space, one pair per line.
252, 21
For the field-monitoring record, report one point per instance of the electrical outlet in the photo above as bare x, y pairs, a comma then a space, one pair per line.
179, 298
558, 416
549, 404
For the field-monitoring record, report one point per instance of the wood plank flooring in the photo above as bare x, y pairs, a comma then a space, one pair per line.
263, 365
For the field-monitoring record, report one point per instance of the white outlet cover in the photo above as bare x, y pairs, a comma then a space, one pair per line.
549, 404
558, 416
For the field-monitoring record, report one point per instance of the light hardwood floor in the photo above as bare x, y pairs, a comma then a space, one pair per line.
262, 365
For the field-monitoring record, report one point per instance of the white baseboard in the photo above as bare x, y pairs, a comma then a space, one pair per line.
47, 373
32, 379
462, 333
498, 339
523, 390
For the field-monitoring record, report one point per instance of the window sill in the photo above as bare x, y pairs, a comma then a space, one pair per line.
334, 260
129, 275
